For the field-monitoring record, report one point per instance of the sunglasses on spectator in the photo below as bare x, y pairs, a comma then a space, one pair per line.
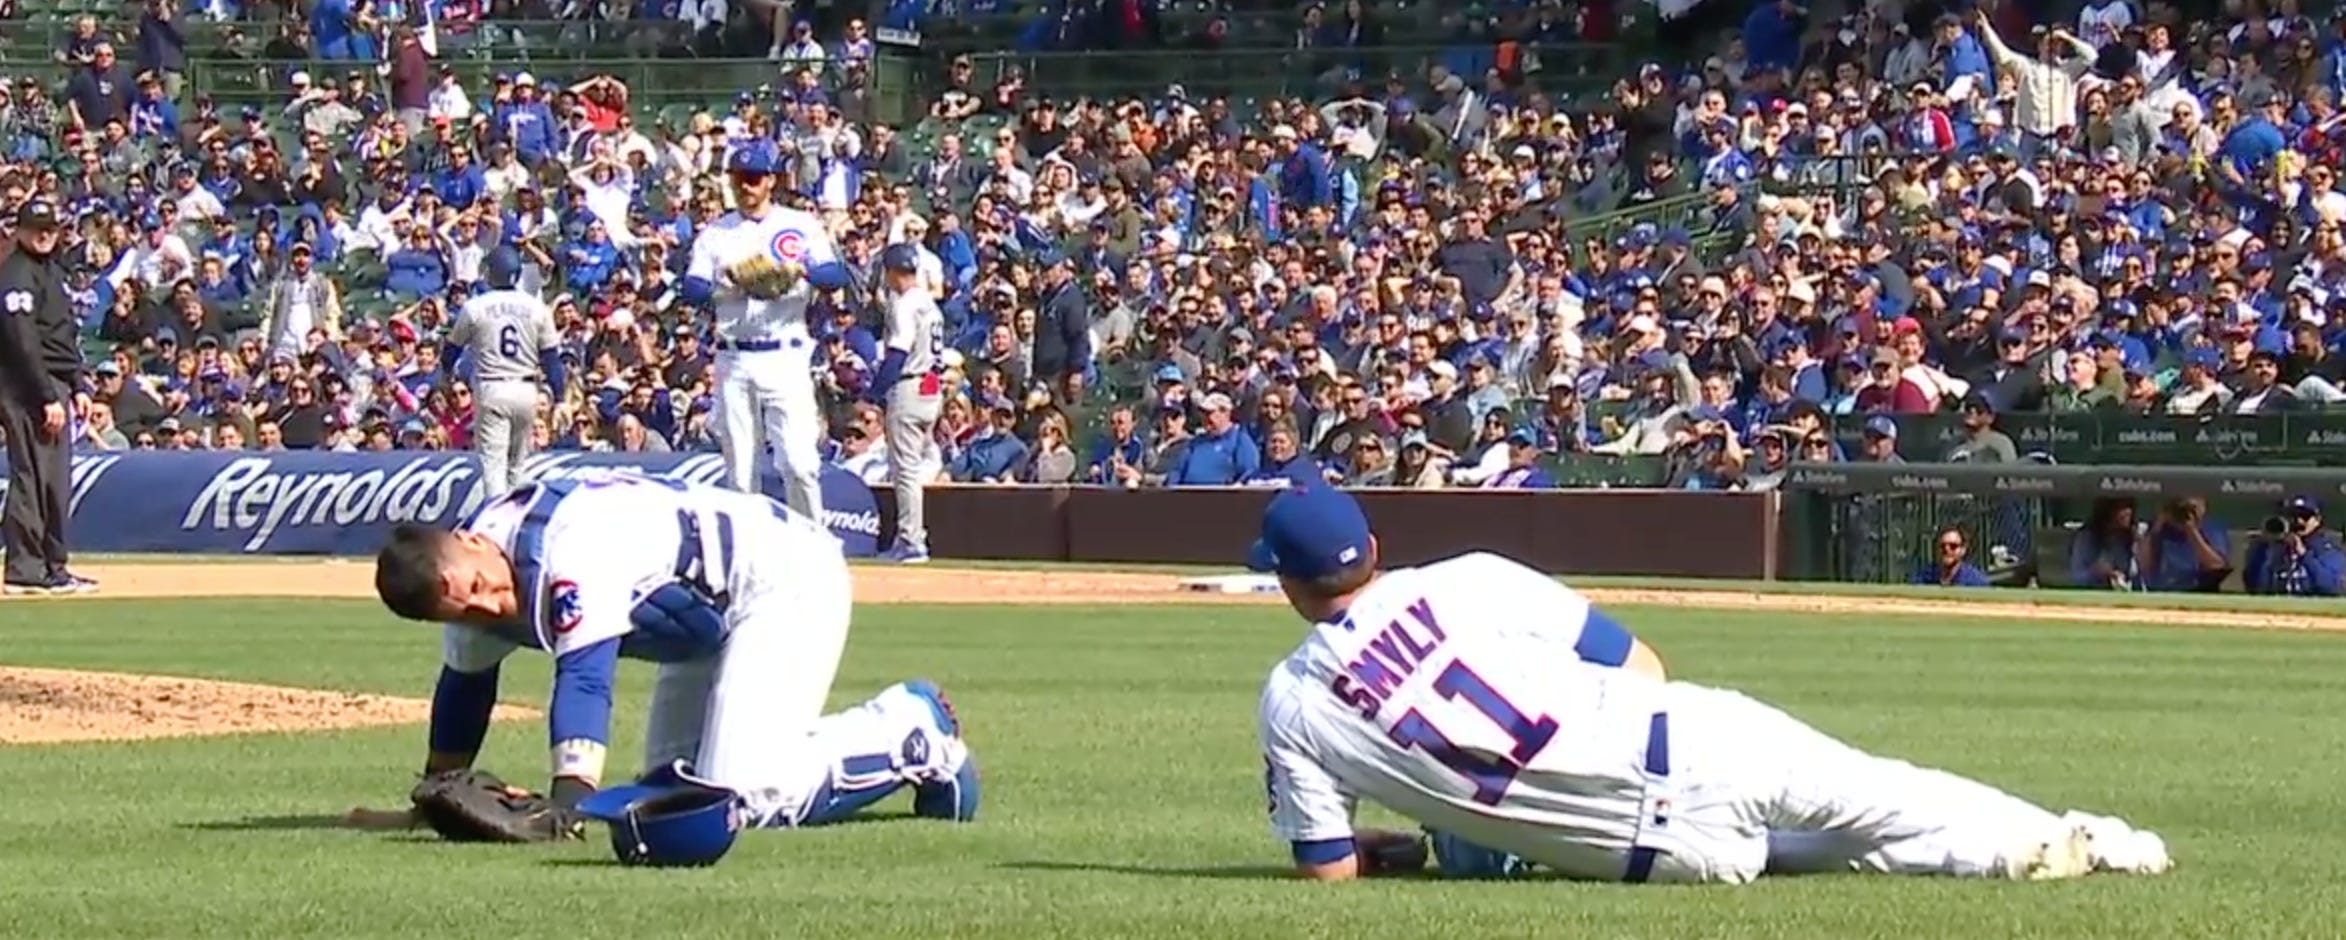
1951, 545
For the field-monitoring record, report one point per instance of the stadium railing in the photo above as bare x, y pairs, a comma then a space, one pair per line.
653, 85
1267, 73
1867, 522
506, 39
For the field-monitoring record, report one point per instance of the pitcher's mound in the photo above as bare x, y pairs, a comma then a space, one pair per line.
49, 706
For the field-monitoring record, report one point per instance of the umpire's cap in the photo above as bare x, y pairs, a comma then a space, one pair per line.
901, 256
757, 157
38, 215
1309, 532
667, 825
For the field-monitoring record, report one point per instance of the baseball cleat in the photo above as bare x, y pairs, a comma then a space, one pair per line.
76, 584
2068, 854
2121, 848
35, 589
903, 554
955, 798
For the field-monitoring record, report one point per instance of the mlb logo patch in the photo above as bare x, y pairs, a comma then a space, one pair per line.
789, 245
564, 611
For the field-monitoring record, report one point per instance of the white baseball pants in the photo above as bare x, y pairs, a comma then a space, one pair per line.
1752, 789
504, 413
751, 720
913, 458
767, 398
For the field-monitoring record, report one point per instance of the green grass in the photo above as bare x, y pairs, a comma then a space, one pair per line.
1125, 796
2054, 597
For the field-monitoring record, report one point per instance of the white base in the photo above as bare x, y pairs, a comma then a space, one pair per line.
1232, 584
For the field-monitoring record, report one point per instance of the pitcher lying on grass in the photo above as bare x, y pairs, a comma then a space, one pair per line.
1471, 705
744, 605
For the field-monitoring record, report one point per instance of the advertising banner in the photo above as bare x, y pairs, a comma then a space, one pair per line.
322, 503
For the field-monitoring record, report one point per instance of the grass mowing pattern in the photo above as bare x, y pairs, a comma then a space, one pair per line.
1124, 794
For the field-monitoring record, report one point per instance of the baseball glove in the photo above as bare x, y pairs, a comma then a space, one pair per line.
763, 276
475, 806
1390, 853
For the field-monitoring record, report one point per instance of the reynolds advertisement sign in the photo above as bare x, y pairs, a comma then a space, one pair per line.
313, 503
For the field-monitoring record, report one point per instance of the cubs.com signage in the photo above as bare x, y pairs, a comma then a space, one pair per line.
311, 503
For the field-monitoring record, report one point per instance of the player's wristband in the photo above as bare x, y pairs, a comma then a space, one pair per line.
580, 759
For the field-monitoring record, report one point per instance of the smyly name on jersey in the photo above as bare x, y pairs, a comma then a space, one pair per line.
1390, 658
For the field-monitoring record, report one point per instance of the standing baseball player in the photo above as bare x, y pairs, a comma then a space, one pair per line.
757, 267
1455, 702
744, 605
910, 384
511, 335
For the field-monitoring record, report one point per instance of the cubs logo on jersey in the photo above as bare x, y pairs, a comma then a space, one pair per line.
564, 611
789, 245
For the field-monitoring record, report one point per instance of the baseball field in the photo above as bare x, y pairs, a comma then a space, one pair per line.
178, 753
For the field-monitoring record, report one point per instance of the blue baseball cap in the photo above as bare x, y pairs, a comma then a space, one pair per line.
667, 825
1310, 532
2303, 505
901, 257
756, 156
1170, 373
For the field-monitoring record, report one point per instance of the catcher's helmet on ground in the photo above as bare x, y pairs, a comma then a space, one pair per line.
756, 157
666, 822
901, 256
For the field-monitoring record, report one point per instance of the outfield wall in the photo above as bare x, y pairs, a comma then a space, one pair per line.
1626, 532
1864, 522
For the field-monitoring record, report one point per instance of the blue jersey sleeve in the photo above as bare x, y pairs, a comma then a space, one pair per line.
462, 703
581, 706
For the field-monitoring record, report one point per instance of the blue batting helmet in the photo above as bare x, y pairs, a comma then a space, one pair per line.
501, 270
667, 824
754, 156
900, 257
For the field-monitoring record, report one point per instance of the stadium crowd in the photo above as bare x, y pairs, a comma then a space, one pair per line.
1449, 275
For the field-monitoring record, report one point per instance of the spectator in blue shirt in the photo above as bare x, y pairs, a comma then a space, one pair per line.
2101, 554
1523, 465
2294, 556
588, 263
1285, 463
1220, 455
1121, 447
525, 122
1953, 567
416, 270
2252, 145
2185, 550
997, 455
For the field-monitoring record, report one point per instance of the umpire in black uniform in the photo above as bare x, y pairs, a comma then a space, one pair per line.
40, 375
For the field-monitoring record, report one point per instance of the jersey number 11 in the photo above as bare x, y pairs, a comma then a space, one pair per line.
1491, 772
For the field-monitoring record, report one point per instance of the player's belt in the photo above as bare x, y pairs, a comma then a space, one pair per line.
1657, 763
749, 345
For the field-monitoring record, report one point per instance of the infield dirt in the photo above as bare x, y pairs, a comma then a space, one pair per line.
50, 706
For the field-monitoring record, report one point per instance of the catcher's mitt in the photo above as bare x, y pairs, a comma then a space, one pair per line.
763, 276
475, 806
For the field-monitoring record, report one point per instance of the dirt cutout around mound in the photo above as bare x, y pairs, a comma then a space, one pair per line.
47, 706
52, 706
